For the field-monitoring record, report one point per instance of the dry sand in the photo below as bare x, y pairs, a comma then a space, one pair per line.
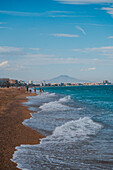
12, 132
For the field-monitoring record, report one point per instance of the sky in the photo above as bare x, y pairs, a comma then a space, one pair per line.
42, 39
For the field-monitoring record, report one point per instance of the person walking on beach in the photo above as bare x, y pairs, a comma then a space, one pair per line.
27, 89
35, 89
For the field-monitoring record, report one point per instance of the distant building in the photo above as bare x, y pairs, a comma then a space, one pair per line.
106, 82
30, 81
21, 82
42, 83
68, 84
61, 84
48, 84
4, 81
13, 81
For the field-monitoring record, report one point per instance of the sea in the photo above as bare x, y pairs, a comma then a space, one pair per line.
78, 124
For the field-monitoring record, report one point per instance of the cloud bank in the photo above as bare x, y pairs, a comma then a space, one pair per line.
98, 49
11, 51
108, 10
84, 1
65, 35
89, 69
35, 49
41, 14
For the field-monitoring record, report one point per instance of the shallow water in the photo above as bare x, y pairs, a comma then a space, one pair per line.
78, 125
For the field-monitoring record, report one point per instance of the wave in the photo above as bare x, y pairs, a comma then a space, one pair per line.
52, 94
47, 94
54, 106
65, 99
60, 105
47, 154
74, 130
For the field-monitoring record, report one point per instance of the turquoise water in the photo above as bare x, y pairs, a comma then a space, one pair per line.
100, 96
78, 125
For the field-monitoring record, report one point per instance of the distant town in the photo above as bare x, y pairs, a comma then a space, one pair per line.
6, 82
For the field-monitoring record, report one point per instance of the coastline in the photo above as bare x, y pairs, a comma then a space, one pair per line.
12, 132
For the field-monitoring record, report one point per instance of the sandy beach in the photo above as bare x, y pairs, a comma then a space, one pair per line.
12, 132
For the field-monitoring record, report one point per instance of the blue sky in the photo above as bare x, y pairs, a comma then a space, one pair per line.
41, 39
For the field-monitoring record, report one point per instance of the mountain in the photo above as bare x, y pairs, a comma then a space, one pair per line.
65, 79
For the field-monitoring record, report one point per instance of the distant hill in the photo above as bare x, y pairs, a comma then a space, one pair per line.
65, 79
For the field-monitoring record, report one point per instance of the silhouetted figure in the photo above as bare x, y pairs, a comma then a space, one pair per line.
40, 90
27, 89
35, 89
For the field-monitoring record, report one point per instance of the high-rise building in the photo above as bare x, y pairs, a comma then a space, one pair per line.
42, 83
30, 81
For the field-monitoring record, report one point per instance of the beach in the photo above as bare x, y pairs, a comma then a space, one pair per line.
12, 132
78, 125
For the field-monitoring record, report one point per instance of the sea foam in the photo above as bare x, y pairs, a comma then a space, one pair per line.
65, 99
47, 154
74, 130
56, 105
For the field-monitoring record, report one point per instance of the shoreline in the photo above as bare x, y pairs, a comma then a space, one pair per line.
13, 132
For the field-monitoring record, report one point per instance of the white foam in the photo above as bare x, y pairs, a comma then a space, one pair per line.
54, 106
47, 151
47, 94
74, 130
52, 94
65, 99
80, 108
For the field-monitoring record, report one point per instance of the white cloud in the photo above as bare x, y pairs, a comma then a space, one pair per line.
5, 28
53, 14
99, 49
65, 12
11, 51
4, 49
81, 29
109, 10
106, 51
34, 49
35, 61
110, 37
35, 14
15, 67
1, 23
66, 35
45, 60
98, 25
89, 69
2, 27
84, 1
20, 13
108, 48
3, 63
38, 56
71, 16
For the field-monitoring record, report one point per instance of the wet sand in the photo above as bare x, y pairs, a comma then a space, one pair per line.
12, 132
